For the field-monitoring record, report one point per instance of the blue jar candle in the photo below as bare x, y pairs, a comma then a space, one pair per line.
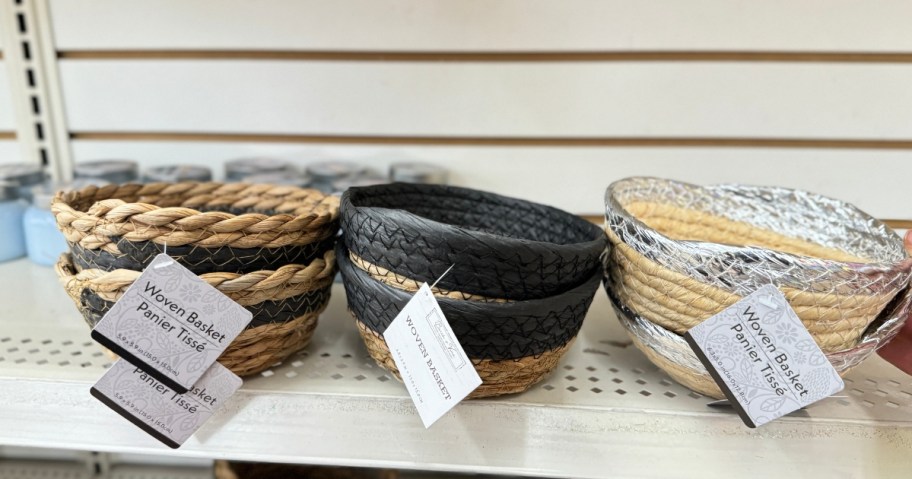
12, 209
43, 241
25, 176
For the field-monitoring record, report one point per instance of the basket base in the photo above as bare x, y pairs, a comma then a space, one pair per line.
258, 349
508, 376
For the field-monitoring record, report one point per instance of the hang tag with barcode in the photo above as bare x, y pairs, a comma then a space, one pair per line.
763, 358
163, 413
432, 363
171, 324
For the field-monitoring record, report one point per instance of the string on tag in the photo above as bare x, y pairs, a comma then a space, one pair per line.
442, 275
171, 261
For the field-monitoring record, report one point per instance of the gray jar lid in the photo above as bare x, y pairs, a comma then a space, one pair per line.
43, 195
115, 171
279, 178
365, 180
417, 172
329, 171
9, 191
176, 173
239, 169
22, 174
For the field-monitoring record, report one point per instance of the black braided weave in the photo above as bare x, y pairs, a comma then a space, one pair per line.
136, 255
486, 330
501, 247
94, 307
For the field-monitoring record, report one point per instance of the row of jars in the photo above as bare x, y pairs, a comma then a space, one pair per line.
28, 228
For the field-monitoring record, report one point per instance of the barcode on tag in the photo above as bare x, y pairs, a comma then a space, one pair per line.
432, 363
763, 358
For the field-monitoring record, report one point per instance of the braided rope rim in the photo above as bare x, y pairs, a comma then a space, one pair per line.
179, 214
498, 377
245, 289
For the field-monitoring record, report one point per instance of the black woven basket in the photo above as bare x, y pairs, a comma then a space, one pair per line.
486, 330
498, 246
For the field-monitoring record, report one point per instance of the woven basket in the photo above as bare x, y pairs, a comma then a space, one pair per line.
512, 344
671, 353
682, 253
207, 227
497, 247
285, 304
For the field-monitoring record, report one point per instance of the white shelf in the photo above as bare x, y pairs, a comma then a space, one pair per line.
605, 412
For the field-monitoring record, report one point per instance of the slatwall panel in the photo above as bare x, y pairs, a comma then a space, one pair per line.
483, 99
482, 25
9, 149
575, 178
7, 119
543, 100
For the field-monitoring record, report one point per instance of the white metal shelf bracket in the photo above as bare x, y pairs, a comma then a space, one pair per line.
31, 59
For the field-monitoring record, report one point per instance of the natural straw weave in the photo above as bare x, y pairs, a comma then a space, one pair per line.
194, 219
398, 281
672, 354
836, 293
498, 377
256, 348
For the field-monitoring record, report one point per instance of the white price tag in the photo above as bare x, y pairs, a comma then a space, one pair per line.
171, 324
163, 413
763, 358
433, 365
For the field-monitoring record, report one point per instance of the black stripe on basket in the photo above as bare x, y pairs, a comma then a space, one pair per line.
136, 255
494, 331
94, 307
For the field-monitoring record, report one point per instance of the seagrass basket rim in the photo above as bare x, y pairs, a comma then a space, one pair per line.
579, 232
206, 214
886, 256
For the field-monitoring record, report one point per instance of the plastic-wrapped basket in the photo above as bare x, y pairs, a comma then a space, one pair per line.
682, 253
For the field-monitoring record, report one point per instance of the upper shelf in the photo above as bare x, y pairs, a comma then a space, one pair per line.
606, 411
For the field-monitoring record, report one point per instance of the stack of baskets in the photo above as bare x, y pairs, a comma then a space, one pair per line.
681, 253
523, 275
267, 247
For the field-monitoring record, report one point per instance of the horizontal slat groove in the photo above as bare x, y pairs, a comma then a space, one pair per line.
657, 142
455, 56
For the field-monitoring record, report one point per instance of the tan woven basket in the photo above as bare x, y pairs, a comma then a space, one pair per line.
207, 227
498, 377
256, 348
683, 253
671, 353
